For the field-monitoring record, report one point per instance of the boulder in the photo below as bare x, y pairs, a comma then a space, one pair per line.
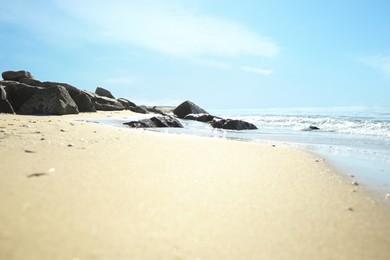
5, 106
18, 93
103, 92
84, 103
127, 104
200, 117
50, 101
106, 104
73, 91
138, 109
232, 124
160, 121
16, 75
187, 107
166, 121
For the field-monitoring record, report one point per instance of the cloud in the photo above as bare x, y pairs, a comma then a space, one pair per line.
379, 62
167, 27
264, 72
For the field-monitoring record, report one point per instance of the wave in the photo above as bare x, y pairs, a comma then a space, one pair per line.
355, 122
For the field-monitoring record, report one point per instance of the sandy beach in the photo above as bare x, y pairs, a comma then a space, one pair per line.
76, 190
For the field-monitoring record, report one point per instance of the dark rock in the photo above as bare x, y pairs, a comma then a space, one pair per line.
311, 128
84, 103
16, 75
5, 106
232, 124
127, 104
154, 110
73, 91
18, 93
200, 117
106, 104
50, 101
138, 109
103, 92
160, 121
143, 123
187, 107
166, 121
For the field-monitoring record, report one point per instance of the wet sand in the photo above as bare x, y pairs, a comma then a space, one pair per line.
76, 190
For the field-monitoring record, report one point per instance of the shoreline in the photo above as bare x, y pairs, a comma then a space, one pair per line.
366, 173
72, 189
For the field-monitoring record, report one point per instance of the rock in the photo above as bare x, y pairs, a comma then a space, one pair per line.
106, 104
160, 121
143, 123
138, 109
103, 92
73, 91
5, 106
127, 104
18, 93
311, 128
50, 101
16, 75
186, 108
166, 121
84, 103
200, 117
232, 124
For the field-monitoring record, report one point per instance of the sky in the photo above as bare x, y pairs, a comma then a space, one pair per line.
216, 53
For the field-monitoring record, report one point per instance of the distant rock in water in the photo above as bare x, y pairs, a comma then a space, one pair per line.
232, 124
311, 128
160, 121
187, 107
200, 117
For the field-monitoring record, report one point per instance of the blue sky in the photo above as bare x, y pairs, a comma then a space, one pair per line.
217, 53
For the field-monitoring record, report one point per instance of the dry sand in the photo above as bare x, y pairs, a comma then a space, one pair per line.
76, 190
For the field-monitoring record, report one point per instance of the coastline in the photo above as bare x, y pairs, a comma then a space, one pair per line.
76, 190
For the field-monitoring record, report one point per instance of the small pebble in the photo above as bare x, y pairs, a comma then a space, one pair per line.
70, 145
51, 170
355, 183
350, 209
29, 151
35, 175
388, 196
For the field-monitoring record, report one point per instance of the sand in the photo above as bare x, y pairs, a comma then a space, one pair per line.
76, 190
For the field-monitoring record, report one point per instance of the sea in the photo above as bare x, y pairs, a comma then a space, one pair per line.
355, 140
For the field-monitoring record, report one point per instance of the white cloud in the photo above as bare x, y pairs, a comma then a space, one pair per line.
167, 27
380, 62
264, 72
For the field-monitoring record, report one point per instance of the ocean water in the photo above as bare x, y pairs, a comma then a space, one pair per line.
356, 140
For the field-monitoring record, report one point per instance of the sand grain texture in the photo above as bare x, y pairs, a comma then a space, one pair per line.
75, 190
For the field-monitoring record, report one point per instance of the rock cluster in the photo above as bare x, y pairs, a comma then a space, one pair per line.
21, 93
191, 111
160, 121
